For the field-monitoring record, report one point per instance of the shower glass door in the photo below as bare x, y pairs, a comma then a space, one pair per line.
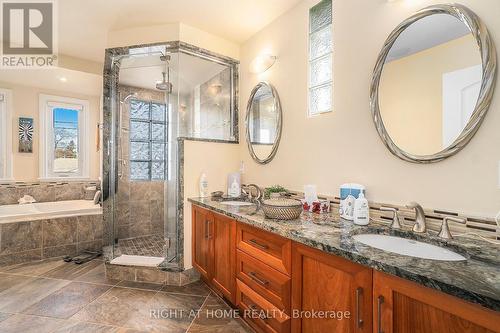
144, 201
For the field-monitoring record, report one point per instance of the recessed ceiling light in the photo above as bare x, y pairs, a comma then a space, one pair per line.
63, 79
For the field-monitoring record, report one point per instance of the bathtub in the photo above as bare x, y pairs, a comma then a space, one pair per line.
48, 210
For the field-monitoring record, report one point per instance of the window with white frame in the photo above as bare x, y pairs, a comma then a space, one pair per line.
64, 137
5, 135
320, 58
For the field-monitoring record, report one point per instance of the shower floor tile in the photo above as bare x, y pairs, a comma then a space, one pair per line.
151, 246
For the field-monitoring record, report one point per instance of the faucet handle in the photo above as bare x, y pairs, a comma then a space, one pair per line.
445, 233
396, 224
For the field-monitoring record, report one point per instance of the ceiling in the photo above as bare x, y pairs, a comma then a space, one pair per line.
83, 25
426, 33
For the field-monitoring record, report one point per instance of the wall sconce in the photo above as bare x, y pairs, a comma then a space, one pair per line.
215, 89
262, 63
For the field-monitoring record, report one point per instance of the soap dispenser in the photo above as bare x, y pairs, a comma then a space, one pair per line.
361, 210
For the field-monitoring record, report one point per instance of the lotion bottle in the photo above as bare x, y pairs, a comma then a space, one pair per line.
361, 210
203, 185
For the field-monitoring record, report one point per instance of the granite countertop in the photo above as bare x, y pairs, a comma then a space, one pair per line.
476, 280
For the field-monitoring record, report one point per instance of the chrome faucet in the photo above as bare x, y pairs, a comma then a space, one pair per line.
247, 191
420, 225
396, 223
445, 233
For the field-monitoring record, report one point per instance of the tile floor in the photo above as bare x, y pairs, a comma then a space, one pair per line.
150, 246
54, 296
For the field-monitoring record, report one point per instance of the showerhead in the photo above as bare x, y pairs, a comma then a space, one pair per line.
164, 85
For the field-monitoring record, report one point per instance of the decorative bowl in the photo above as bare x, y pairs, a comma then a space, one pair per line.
282, 208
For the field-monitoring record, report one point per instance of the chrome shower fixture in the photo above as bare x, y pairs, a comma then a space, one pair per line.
164, 84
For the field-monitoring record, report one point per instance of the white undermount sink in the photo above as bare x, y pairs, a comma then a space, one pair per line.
408, 247
236, 203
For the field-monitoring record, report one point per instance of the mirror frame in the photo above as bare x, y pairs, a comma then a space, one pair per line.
489, 63
279, 126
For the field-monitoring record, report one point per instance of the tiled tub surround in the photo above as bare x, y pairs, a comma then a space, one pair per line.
47, 238
10, 193
476, 280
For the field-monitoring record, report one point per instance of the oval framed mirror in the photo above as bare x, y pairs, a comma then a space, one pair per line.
263, 122
433, 83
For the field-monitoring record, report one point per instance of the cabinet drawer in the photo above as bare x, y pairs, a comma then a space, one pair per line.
269, 283
260, 313
274, 250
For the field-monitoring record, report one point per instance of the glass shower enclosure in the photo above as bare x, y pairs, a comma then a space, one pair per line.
154, 96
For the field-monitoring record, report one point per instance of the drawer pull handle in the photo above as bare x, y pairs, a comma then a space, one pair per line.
359, 320
262, 246
256, 309
208, 229
254, 277
380, 300
207, 232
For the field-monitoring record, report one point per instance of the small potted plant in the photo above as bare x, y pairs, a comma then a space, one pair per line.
274, 192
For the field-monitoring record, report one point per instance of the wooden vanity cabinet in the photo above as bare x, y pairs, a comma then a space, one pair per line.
401, 306
324, 282
214, 250
254, 269
201, 243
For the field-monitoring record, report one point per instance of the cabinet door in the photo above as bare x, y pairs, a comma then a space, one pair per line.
336, 289
401, 306
224, 255
201, 241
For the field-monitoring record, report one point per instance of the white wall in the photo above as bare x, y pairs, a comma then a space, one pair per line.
343, 146
216, 160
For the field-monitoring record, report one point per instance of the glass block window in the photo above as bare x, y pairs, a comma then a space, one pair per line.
148, 140
320, 58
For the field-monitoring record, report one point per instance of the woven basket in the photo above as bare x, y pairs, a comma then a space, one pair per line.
282, 209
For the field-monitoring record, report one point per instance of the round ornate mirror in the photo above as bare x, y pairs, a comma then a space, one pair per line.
263, 122
433, 83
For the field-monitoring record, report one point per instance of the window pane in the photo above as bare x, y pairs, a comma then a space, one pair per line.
139, 170
158, 112
139, 151
158, 152
66, 149
320, 99
139, 109
321, 42
320, 15
159, 132
321, 70
139, 130
158, 171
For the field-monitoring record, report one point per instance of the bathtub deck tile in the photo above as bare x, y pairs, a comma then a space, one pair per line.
21, 257
20, 237
60, 231
59, 251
